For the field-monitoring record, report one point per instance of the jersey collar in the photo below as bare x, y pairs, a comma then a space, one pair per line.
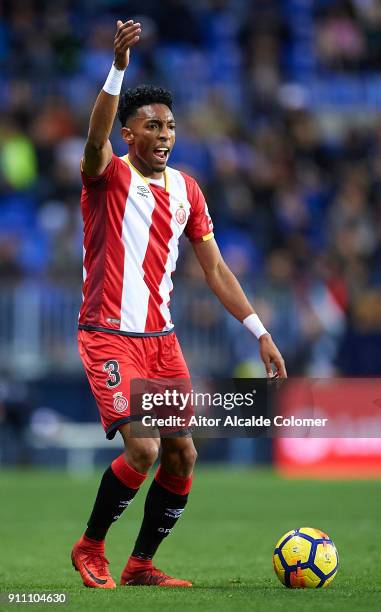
166, 182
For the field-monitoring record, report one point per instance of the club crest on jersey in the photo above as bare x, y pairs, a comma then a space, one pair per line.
181, 215
120, 402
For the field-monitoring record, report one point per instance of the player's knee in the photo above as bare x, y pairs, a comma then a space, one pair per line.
188, 458
141, 454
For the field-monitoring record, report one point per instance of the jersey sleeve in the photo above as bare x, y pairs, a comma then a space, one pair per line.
107, 174
199, 227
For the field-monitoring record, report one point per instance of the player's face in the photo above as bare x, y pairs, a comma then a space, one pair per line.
150, 135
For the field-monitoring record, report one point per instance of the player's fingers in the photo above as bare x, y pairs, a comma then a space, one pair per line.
130, 33
120, 25
267, 362
127, 29
126, 44
280, 368
134, 41
128, 38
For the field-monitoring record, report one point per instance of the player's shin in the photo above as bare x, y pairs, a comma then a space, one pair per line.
117, 489
165, 503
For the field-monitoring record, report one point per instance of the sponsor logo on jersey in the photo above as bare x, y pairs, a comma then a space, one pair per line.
120, 402
143, 191
181, 215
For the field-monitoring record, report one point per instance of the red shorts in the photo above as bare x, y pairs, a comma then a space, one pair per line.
111, 361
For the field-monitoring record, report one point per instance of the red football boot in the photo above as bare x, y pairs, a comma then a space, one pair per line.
92, 564
142, 573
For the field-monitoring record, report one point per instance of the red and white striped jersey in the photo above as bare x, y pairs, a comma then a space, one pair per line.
131, 235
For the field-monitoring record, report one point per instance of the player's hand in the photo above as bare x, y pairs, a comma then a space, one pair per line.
271, 356
127, 35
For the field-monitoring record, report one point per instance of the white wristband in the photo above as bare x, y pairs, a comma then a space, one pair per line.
114, 81
255, 325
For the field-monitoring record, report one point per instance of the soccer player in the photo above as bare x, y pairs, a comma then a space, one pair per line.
135, 209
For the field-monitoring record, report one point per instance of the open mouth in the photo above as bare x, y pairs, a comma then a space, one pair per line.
161, 153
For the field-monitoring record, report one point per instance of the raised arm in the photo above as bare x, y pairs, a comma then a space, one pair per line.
98, 150
226, 287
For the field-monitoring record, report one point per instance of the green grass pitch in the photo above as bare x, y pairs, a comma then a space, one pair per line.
223, 542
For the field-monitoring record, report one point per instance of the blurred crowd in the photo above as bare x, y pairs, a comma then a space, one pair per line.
349, 34
295, 197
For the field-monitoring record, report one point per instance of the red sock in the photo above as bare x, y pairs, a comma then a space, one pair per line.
180, 485
126, 473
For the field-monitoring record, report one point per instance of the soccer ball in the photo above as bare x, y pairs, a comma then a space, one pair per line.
305, 558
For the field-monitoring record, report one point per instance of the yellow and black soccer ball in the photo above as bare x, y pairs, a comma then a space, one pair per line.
305, 558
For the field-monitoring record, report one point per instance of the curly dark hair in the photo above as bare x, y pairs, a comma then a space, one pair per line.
132, 99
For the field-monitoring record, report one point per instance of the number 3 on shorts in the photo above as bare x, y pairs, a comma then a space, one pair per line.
112, 368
